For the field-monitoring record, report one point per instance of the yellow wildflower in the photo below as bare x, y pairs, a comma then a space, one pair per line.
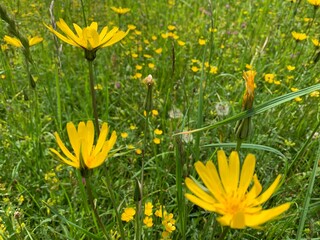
124, 135
202, 41
315, 3
269, 77
120, 10
171, 27
157, 131
315, 42
157, 140
148, 221
88, 38
227, 192
315, 94
128, 214
158, 50
181, 43
291, 68
195, 69
298, 36
148, 208
85, 154
138, 151
154, 112
17, 43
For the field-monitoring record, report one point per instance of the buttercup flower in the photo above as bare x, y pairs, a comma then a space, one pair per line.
227, 194
88, 38
120, 10
128, 214
17, 43
85, 155
299, 36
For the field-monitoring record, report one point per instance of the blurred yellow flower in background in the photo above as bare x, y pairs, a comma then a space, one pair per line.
299, 36
17, 43
120, 10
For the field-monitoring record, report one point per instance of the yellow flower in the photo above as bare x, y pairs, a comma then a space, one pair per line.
299, 36
249, 94
202, 41
85, 154
131, 27
158, 50
213, 70
157, 131
120, 10
227, 192
88, 38
138, 151
315, 42
157, 140
124, 135
315, 3
128, 214
269, 77
148, 222
291, 68
315, 94
195, 69
181, 43
148, 209
17, 43
151, 65
155, 112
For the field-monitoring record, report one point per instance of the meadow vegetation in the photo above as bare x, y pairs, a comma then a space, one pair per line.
179, 82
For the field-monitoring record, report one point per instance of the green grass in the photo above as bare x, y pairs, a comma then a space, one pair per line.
43, 199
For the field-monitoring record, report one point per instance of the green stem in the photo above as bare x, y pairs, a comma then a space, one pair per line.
95, 211
93, 97
112, 197
224, 233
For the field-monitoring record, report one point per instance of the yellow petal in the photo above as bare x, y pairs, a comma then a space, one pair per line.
224, 170
65, 151
91, 38
267, 194
108, 35
210, 178
225, 220
108, 145
246, 173
199, 202
35, 40
74, 139
94, 26
255, 190
102, 138
70, 34
103, 33
195, 189
70, 163
266, 215
116, 38
78, 30
238, 221
234, 170
63, 38
13, 41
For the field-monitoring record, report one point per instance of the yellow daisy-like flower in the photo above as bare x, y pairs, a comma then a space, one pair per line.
158, 131
315, 3
148, 208
128, 214
227, 192
315, 42
120, 10
148, 222
88, 38
299, 36
17, 43
202, 41
157, 140
269, 77
85, 155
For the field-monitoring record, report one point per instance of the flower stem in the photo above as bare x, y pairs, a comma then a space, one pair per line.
93, 97
95, 211
224, 233
108, 184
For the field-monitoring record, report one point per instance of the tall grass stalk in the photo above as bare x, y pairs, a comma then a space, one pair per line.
306, 204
